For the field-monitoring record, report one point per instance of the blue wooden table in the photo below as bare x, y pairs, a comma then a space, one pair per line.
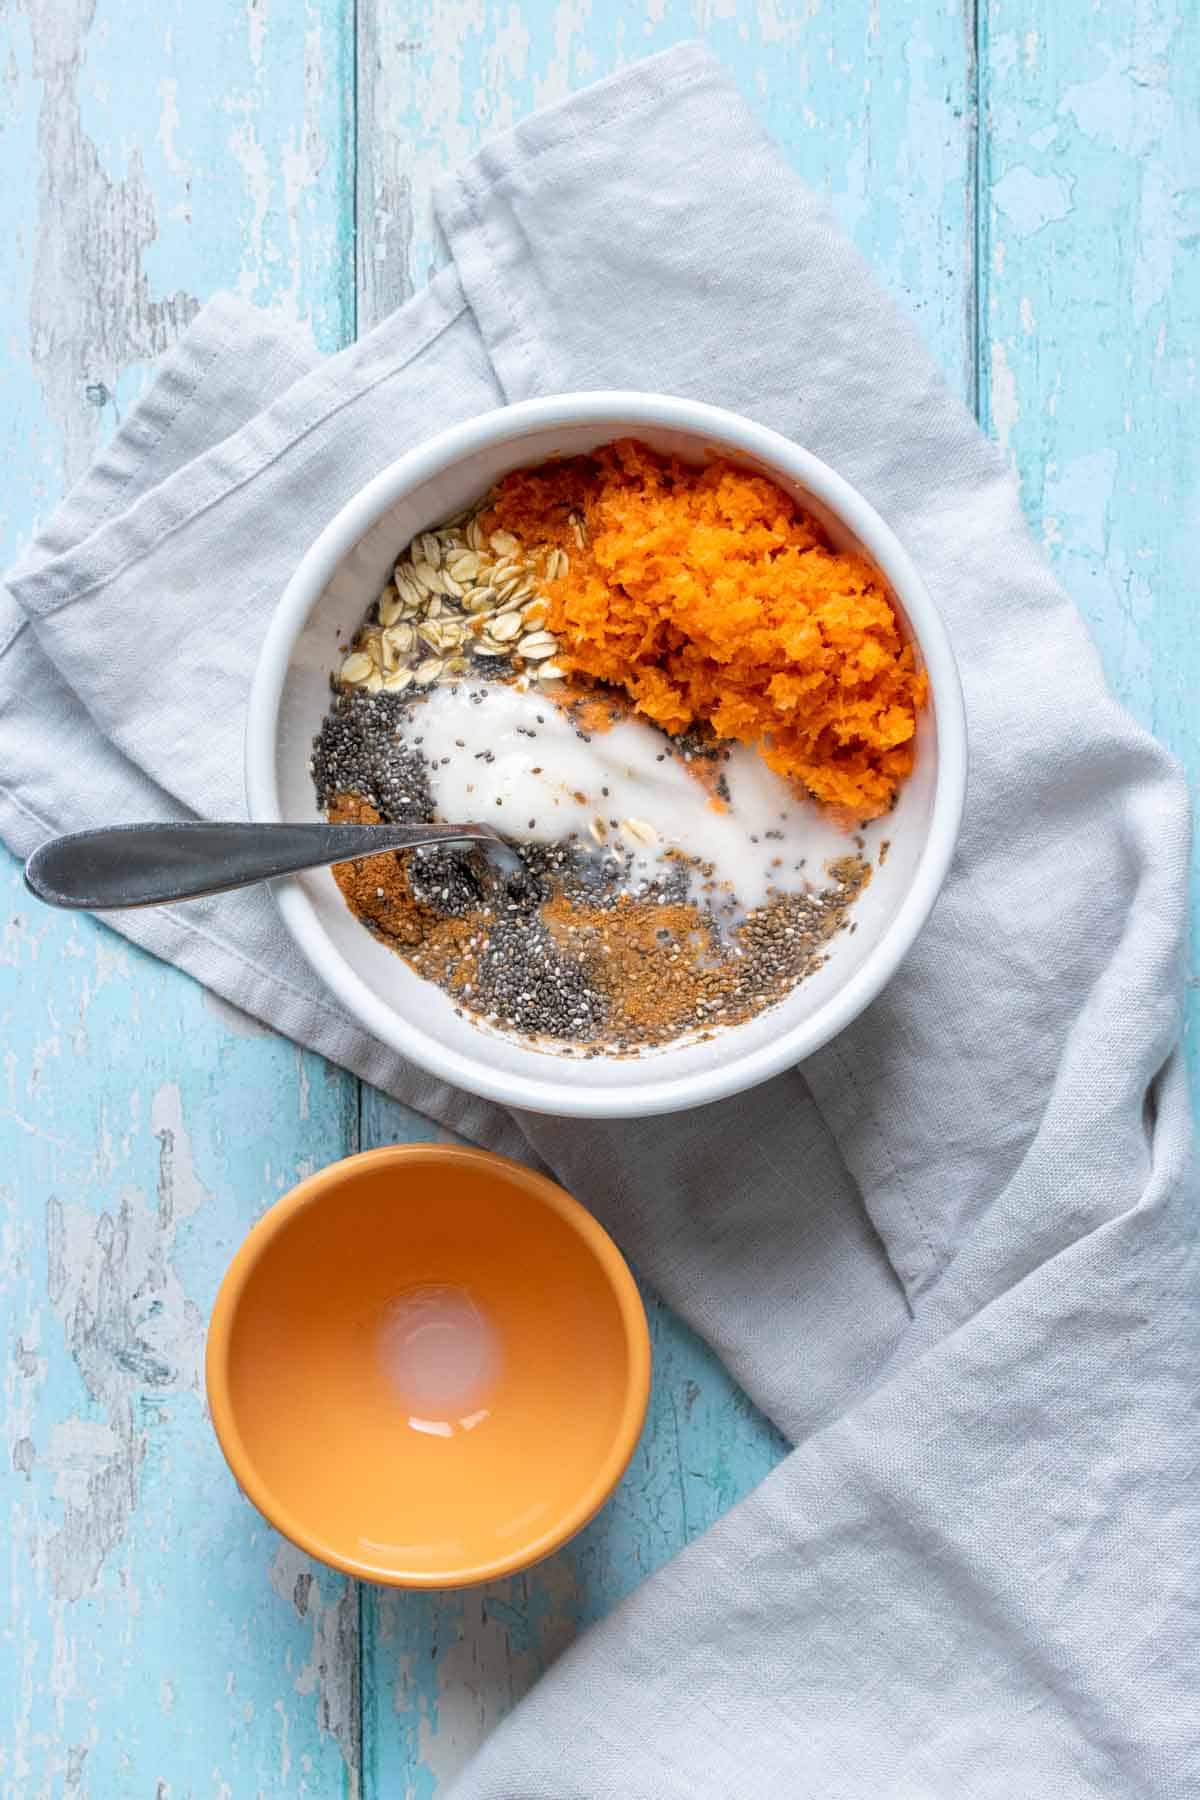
1018, 176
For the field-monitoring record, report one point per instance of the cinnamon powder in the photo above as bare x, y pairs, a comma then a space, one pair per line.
655, 970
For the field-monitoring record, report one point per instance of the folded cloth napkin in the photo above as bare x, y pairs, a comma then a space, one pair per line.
955, 1257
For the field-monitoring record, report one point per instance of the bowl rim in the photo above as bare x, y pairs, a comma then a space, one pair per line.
625, 410
322, 1187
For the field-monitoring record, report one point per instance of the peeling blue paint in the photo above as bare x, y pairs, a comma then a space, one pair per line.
165, 1640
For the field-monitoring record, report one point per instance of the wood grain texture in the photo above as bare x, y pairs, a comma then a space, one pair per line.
158, 152
1020, 178
872, 104
157, 1639
1090, 328
155, 1630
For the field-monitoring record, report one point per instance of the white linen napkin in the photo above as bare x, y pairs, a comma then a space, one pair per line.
955, 1258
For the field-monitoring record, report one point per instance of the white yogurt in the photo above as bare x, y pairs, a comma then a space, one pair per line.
515, 760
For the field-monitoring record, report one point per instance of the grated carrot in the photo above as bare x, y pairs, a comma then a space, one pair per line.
709, 596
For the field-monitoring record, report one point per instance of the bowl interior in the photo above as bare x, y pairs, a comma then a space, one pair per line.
434, 1368
419, 1019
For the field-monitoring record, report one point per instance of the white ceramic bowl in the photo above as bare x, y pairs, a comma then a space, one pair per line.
326, 599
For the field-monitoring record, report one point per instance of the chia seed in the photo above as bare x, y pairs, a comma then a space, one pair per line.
514, 972
360, 749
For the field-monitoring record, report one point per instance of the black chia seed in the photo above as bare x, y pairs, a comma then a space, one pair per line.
520, 978
360, 749
528, 985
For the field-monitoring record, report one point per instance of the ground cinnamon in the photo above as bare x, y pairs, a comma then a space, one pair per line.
377, 888
642, 970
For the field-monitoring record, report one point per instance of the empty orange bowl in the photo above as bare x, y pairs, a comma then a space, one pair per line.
428, 1366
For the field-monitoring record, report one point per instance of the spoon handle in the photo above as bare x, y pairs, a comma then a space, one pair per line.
152, 865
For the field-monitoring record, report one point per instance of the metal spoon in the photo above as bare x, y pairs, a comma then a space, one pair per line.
152, 865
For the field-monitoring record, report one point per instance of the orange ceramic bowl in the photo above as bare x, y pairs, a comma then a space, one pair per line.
428, 1366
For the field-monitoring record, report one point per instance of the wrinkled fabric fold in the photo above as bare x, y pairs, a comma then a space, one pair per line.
954, 1258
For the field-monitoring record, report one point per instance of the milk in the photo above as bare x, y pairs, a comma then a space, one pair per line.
516, 761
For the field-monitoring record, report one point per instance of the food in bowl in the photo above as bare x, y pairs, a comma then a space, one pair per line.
677, 699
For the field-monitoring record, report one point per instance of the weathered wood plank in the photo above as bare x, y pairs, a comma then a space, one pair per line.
1090, 306
874, 112
158, 1639
168, 150
156, 1630
871, 103
130, 1168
